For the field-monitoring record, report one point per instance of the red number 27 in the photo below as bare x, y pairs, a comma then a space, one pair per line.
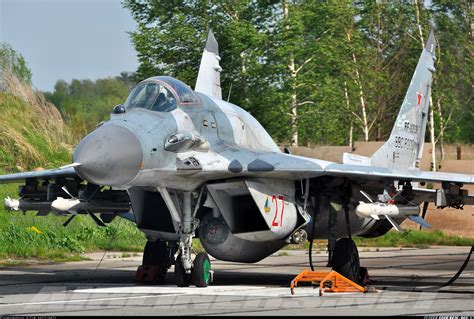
275, 219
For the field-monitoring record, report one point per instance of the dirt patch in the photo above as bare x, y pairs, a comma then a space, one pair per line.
449, 220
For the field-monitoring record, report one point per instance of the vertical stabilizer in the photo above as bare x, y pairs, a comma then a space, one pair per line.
209, 78
404, 148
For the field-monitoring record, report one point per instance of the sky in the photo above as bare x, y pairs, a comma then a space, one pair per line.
66, 39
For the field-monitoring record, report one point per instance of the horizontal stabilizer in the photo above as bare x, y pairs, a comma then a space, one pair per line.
420, 221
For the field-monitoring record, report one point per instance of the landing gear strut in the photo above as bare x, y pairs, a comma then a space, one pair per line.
187, 228
186, 270
159, 255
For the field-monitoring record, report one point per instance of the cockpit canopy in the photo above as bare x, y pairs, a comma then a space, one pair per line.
161, 94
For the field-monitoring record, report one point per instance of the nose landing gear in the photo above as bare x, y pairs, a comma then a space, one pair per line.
186, 270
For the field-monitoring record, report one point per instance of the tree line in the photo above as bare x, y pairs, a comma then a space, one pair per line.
320, 72
85, 103
312, 72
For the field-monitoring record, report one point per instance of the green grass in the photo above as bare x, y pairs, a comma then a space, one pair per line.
414, 238
50, 241
18, 240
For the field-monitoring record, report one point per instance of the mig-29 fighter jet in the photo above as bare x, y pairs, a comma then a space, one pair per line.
184, 164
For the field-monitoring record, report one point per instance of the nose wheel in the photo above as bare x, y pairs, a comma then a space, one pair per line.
201, 273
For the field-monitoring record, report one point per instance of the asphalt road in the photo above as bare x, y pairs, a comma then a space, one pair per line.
404, 278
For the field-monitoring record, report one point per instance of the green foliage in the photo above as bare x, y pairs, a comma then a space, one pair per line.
12, 61
334, 47
454, 77
50, 240
85, 103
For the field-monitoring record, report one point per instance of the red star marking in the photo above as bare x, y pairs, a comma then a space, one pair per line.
419, 97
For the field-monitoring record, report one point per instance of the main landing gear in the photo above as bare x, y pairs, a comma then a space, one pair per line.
158, 257
343, 255
345, 259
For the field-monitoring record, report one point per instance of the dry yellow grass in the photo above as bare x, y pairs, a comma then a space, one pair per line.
32, 132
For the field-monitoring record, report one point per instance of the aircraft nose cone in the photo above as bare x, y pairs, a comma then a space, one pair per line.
110, 155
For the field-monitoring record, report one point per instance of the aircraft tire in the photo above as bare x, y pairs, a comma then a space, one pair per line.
202, 270
181, 279
346, 259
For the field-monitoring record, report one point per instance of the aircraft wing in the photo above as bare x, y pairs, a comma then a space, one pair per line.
380, 173
65, 171
287, 166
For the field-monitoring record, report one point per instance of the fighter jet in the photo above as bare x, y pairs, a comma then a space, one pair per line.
183, 163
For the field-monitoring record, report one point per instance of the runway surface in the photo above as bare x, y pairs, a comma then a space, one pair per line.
403, 276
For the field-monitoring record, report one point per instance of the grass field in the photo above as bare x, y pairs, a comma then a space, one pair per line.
30, 236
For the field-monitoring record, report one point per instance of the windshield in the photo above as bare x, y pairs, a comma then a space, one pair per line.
151, 96
184, 93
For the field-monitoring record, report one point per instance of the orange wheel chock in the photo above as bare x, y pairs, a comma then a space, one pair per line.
328, 282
